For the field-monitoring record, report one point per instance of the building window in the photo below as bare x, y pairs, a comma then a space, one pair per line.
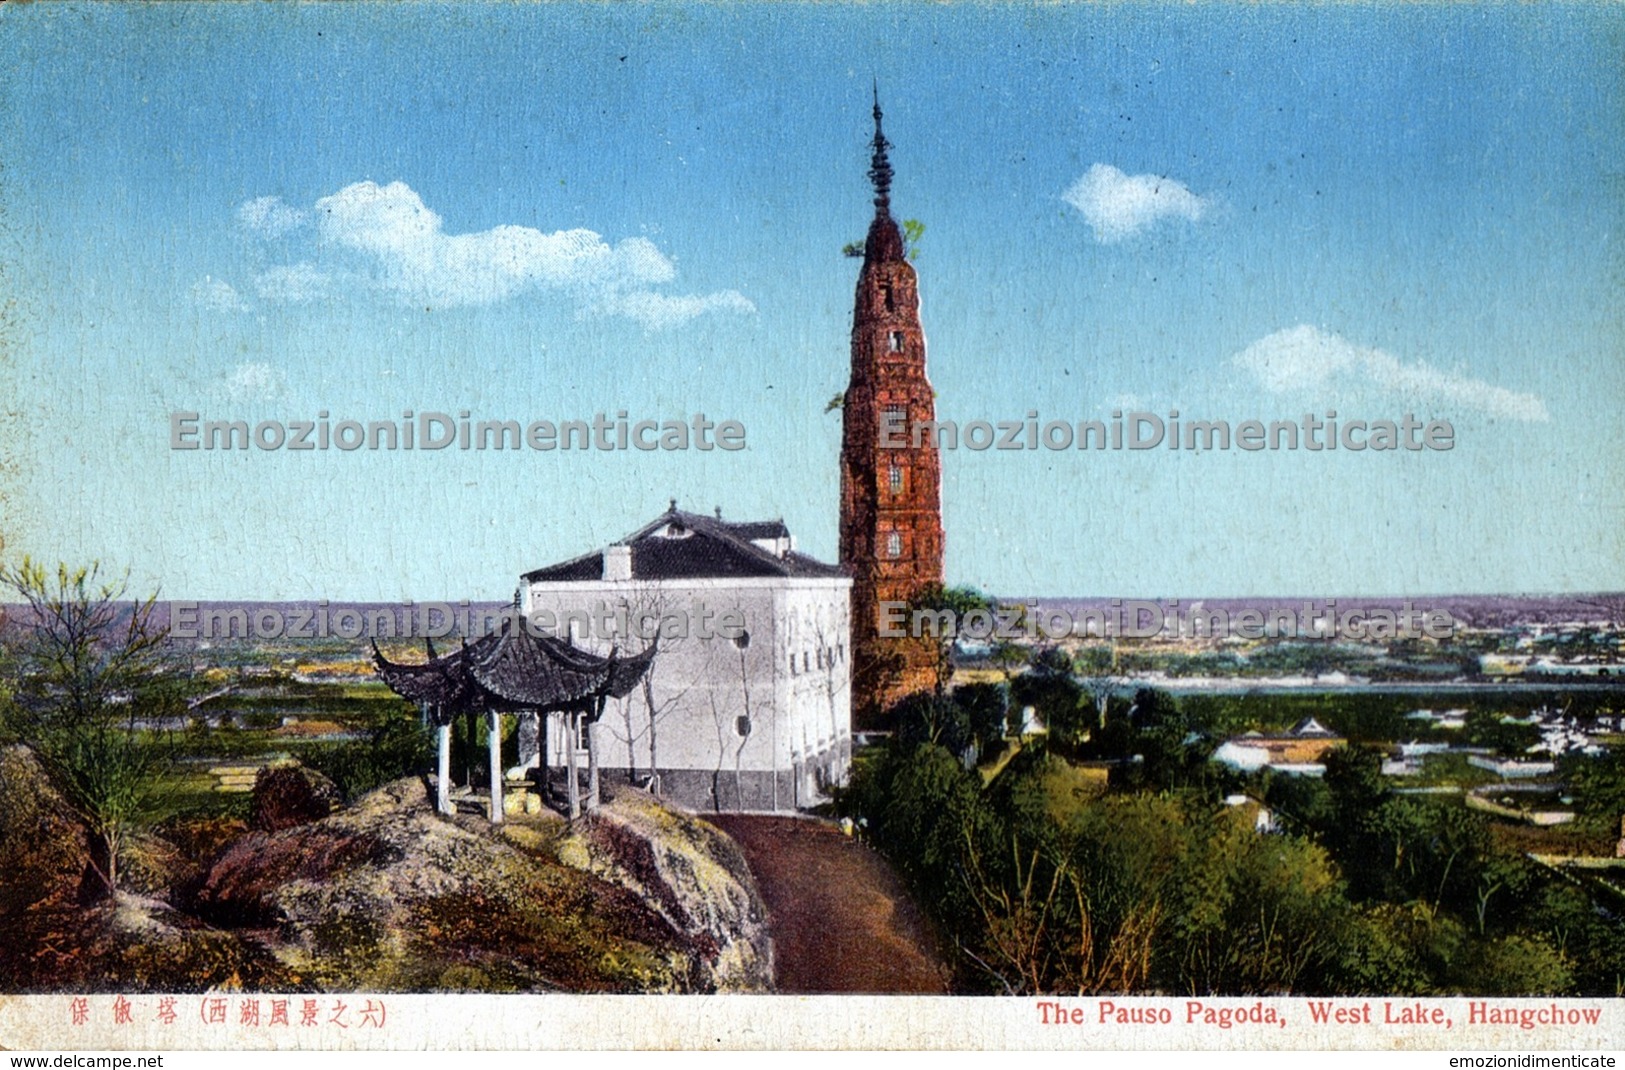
792, 665
894, 424
895, 477
887, 296
897, 341
894, 544
806, 662
583, 734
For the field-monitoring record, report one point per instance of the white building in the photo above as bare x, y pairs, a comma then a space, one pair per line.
748, 702
1512, 768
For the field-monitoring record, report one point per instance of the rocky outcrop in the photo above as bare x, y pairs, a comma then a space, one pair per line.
60, 930
692, 875
286, 796
133, 943
45, 868
387, 895
45, 851
149, 864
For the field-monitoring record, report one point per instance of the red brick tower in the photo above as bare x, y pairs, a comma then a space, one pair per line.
891, 498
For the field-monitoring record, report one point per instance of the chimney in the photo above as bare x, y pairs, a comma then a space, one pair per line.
617, 562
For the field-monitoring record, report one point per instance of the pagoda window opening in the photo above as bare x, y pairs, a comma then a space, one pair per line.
894, 544
895, 478
896, 341
888, 297
894, 420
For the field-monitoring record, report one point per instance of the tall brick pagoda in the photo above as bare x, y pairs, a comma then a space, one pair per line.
891, 499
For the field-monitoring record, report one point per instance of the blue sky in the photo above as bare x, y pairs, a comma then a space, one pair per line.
541, 212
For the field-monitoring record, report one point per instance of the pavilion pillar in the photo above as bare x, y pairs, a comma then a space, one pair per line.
593, 792
496, 767
547, 769
592, 767
572, 733
442, 786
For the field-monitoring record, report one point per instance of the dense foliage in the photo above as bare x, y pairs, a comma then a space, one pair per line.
399, 746
1150, 882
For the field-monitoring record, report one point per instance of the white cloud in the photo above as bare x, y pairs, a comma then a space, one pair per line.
658, 311
1309, 360
1120, 206
254, 382
416, 259
269, 217
384, 238
294, 283
218, 295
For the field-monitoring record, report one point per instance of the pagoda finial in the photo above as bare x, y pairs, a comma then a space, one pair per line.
880, 172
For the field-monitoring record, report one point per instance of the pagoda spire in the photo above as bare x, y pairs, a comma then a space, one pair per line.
880, 172
891, 498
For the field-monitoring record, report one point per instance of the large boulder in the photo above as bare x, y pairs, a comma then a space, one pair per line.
692, 875
45, 870
60, 930
148, 864
133, 943
286, 796
45, 850
389, 896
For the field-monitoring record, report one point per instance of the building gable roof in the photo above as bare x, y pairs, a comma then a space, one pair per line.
679, 546
1309, 728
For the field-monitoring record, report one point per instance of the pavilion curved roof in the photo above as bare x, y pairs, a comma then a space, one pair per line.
513, 669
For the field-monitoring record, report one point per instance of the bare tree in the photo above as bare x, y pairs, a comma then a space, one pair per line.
831, 640
727, 704
645, 606
92, 664
1040, 927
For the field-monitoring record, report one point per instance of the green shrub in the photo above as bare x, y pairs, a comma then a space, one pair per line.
401, 745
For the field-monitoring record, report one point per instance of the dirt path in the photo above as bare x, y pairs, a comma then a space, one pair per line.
840, 918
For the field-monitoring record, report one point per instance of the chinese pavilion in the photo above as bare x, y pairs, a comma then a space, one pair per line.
513, 671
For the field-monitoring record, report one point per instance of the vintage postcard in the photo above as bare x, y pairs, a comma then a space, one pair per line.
1099, 525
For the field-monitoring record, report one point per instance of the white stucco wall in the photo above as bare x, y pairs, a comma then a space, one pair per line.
706, 689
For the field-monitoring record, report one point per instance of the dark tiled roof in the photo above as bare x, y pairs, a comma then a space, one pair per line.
680, 545
587, 567
760, 529
443, 682
513, 669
